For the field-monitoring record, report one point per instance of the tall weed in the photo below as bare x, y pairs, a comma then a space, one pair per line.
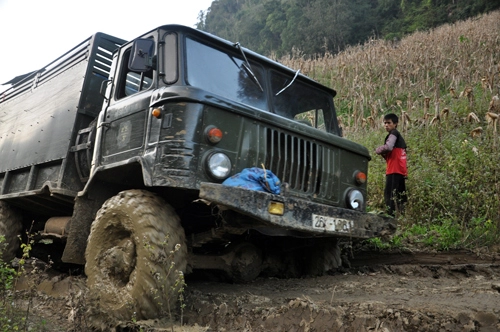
441, 83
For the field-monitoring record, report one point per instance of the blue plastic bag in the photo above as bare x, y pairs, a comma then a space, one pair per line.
255, 178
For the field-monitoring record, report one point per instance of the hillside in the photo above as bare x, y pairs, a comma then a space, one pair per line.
318, 26
444, 85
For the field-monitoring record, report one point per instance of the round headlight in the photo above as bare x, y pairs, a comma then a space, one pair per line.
219, 165
355, 200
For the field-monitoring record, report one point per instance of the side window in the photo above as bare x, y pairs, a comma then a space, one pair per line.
170, 58
132, 82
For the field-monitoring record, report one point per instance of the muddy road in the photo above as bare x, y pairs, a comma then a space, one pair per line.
457, 291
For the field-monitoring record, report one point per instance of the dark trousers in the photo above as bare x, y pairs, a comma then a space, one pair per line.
395, 193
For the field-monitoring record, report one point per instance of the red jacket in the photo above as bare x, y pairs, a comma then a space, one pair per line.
394, 153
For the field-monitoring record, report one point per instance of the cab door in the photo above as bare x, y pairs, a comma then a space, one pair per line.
124, 125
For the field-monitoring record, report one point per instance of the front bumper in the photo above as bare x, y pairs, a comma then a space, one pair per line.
300, 216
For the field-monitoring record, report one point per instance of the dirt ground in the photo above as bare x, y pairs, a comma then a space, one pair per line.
379, 292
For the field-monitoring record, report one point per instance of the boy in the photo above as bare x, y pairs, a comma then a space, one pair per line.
394, 153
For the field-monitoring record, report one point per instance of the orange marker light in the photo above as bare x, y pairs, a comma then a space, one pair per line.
156, 113
360, 177
214, 135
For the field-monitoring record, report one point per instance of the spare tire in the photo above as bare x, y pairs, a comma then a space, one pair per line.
11, 224
136, 254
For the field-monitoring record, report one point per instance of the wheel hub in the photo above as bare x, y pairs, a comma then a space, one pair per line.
119, 261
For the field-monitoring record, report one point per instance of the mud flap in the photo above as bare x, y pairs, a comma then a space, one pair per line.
78, 228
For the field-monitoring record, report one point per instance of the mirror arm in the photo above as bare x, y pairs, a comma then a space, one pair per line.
104, 86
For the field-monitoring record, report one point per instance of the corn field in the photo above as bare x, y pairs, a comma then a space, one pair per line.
444, 85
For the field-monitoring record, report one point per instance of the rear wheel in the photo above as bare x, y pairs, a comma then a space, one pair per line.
136, 253
10, 228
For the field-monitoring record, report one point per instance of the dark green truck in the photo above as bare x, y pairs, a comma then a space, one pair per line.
118, 149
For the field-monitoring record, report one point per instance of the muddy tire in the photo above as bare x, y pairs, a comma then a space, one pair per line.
10, 228
133, 258
325, 257
246, 263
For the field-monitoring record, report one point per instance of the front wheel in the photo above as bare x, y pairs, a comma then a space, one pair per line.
324, 257
136, 254
246, 262
10, 228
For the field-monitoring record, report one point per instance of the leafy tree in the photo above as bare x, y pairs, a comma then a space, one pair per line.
270, 35
221, 18
318, 26
332, 33
294, 35
251, 20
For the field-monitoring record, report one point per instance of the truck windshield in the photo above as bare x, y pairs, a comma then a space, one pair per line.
301, 102
225, 75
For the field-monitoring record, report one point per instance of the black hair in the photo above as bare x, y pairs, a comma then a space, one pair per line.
391, 116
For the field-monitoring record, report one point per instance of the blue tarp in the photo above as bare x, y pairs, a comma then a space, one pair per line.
255, 178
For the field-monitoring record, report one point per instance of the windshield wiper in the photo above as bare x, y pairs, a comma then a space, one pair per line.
286, 87
248, 68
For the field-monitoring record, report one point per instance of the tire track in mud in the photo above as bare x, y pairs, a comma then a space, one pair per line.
418, 291
453, 291
454, 257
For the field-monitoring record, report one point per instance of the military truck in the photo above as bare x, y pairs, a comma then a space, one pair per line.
114, 156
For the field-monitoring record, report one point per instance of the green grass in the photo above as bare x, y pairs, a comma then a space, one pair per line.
452, 186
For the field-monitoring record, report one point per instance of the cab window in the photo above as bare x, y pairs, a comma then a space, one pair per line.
132, 82
314, 118
297, 100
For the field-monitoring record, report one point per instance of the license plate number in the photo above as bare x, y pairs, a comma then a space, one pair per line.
332, 224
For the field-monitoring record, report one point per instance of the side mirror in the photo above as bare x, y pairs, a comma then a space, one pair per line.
141, 55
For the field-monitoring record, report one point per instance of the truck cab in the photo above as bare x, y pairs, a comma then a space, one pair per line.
187, 84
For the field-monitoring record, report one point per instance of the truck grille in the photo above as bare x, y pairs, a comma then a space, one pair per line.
294, 160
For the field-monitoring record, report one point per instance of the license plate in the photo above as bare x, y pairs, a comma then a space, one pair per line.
332, 224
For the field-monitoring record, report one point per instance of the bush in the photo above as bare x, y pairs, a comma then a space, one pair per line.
10, 318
